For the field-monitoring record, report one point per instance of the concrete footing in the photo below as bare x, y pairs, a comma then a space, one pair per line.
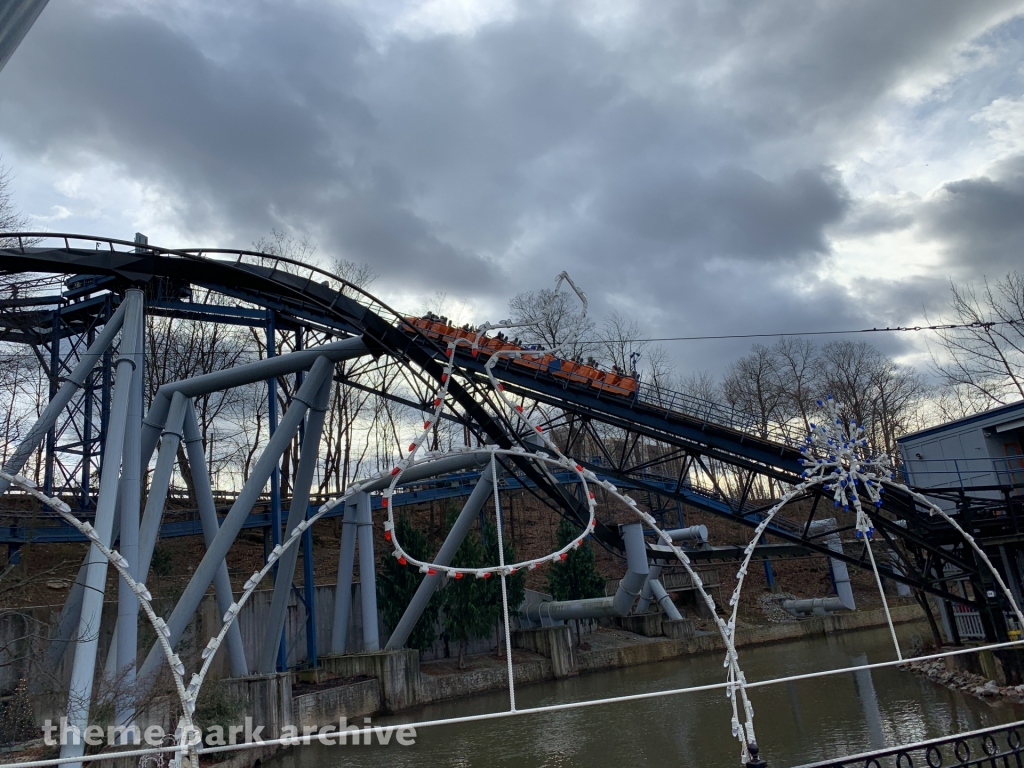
679, 629
267, 699
555, 643
397, 674
646, 624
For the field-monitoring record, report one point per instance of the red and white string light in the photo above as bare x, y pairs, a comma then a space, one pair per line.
836, 460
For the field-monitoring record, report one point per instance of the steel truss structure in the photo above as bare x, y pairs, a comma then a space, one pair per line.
96, 440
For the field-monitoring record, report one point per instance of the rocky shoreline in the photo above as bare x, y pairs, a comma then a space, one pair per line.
965, 682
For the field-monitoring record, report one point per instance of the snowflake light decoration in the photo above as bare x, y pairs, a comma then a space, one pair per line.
837, 456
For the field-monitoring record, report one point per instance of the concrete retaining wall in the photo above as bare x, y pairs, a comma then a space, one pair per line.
326, 706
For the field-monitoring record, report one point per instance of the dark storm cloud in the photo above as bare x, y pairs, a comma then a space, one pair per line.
265, 135
733, 213
981, 221
680, 165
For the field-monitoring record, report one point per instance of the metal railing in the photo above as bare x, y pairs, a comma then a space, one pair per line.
719, 414
963, 472
998, 747
968, 622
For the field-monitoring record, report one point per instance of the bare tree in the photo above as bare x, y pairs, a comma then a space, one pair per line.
982, 365
800, 377
621, 341
753, 384
701, 385
872, 390
11, 220
553, 319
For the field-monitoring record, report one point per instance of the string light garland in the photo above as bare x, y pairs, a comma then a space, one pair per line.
743, 713
836, 458
187, 695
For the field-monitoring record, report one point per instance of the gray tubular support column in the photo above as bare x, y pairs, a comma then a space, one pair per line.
296, 514
67, 390
208, 517
620, 604
814, 605
840, 573
695, 533
481, 493
646, 596
637, 568
127, 628
153, 514
664, 600
343, 592
236, 517
447, 465
84, 664
238, 376
159, 483
367, 576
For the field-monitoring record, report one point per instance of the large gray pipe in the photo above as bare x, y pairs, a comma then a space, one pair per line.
343, 592
160, 482
620, 604
646, 595
693, 533
208, 517
127, 626
310, 452
72, 383
839, 570
84, 665
664, 600
367, 575
481, 493
238, 376
817, 605
444, 466
236, 517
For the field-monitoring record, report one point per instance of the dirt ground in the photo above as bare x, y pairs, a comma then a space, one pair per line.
46, 570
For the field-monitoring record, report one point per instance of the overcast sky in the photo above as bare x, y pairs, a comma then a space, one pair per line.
707, 167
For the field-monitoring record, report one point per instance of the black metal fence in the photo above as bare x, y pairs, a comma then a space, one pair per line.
999, 747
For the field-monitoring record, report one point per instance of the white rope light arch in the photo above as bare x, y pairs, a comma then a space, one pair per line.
836, 460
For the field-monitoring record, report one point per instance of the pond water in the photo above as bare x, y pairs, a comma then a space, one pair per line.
796, 723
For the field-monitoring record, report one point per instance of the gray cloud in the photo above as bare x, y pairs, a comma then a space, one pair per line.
681, 163
981, 220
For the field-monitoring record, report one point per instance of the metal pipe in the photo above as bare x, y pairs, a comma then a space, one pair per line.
296, 514
208, 518
818, 605
665, 600
646, 596
127, 628
481, 493
275, 476
238, 376
247, 497
84, 664
74, 381
160, 482
367, 577
444, 466
697, 533
840, 573
620, 604
343, 591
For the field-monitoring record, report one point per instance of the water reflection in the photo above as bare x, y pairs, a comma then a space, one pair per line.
796, 722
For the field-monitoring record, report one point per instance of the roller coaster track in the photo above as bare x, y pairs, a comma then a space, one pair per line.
309, 297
